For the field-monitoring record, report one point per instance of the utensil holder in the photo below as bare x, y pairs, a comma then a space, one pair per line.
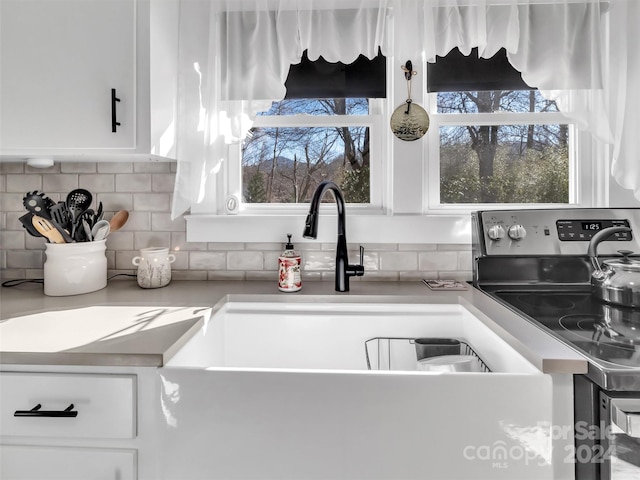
74, 268
435, 346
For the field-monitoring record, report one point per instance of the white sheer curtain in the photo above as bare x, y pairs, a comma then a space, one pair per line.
234, 57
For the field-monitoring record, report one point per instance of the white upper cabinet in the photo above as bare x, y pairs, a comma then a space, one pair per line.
63, 65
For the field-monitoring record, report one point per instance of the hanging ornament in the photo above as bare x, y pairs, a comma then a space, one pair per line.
409, 121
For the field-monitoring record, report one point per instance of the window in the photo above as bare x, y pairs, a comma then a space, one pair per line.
495, 146
284, 164
301, 141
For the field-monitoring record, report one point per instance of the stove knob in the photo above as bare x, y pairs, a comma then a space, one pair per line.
517, 232
496, 232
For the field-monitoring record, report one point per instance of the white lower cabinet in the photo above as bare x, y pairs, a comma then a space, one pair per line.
59, 425
66, 463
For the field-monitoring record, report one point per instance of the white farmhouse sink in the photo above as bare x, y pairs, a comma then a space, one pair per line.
332, 336
282, 391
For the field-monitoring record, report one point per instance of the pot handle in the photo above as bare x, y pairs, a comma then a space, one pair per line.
602, 235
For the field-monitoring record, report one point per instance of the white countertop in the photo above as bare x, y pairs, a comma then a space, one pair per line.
129, 338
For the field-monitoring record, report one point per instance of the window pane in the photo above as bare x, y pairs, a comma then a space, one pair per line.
319, 106
504, 164
521, 101
286, 164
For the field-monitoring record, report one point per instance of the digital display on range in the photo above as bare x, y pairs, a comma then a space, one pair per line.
584, 230
591, 226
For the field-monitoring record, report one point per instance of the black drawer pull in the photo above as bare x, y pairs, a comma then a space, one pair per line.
114, 99
36, 412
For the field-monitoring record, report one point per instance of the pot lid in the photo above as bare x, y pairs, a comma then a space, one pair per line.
625, 263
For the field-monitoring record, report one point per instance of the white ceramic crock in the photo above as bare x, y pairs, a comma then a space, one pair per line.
74, 268
154, 267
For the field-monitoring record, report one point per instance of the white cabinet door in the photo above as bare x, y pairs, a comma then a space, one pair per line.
65, 463
60, 59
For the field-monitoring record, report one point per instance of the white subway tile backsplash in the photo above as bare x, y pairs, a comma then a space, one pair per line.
11, 167
163, 222
179, 243
12, 240
152, 202
133, 182
62, 183
162, 182
207, 261
25, 259
139, 222
145, 190
151, 239
245, 260
397, 261
223, 247
98, 183
465, 260
23, 183
112, 202
438, 261
319, 261
120, 240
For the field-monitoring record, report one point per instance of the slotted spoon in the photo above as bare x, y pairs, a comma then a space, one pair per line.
78, 201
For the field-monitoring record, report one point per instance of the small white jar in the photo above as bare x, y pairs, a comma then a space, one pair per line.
74, 268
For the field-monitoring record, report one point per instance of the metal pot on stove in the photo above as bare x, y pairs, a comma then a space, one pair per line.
617, 280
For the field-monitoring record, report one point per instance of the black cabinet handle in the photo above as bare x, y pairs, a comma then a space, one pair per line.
114, 99
36, 412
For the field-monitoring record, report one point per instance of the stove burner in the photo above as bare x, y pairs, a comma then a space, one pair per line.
582, 324
595, 328
549, 303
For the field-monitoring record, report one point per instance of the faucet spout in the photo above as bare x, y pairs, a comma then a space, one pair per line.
343, 269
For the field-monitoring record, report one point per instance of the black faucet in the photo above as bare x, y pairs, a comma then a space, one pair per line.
343, 269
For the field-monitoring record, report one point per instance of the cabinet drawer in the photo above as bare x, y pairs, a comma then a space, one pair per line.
63, 463
105, 405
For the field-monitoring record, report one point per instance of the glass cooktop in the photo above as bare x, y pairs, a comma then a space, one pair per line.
604, 332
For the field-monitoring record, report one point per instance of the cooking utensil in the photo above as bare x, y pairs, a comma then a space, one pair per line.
78, 201
37, 203
99, 212
118, 220
87, 230
27, 222
47, 229
100, 230
616, 280
60, 214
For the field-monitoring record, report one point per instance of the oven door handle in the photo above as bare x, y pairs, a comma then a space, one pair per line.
625, 414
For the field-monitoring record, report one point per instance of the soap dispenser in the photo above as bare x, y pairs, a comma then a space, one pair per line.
289, 266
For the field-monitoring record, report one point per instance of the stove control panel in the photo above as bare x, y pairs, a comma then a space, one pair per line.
555, 231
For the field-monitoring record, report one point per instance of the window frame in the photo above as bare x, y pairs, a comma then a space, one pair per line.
407, 214
432, 180
378, 197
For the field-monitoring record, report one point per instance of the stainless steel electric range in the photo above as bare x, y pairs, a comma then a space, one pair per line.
535, 262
